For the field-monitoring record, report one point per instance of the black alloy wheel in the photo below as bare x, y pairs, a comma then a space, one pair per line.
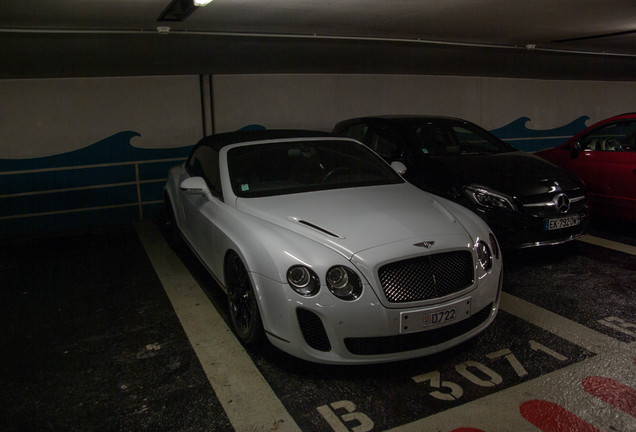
244, 314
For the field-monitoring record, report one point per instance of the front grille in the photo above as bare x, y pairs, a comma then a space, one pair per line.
413, 341
543, 205
427, 277
313, 330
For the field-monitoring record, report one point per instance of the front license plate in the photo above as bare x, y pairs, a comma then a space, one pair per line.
440, 317
562, 222
418, 320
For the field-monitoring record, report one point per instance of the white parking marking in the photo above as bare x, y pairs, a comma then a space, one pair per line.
609, 244
246, 397
619, 324
571, 331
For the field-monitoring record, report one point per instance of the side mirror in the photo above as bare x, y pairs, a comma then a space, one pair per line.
399, 167
195, 185
576, 149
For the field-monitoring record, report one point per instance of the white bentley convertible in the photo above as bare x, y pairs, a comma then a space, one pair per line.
323, 248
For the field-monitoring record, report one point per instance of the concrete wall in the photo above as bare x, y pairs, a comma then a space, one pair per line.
52, 116
86, 152
318, 101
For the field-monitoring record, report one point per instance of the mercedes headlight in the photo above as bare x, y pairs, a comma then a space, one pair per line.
303, 280
344, 283
488, 198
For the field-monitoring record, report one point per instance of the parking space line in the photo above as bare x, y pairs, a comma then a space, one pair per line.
246, 397
569, 330
609, 244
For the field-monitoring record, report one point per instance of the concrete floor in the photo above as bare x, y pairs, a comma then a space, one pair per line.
110, 330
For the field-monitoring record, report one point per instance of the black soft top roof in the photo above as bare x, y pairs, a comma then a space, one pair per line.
218, 141
399, 119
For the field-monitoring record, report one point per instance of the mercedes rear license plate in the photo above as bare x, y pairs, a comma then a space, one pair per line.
562, 222
417, 320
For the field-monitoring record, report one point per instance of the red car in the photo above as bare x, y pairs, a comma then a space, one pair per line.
604, 157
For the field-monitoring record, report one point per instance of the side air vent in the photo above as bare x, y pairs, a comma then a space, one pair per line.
313, 330
316, 227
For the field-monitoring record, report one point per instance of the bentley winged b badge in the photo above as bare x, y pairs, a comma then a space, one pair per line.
425, 244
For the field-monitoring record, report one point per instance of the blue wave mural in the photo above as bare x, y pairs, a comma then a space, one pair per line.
108, 182
116, 148
252, 127
521, 137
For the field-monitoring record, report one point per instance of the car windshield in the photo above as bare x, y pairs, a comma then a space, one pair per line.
260, 170
457, 139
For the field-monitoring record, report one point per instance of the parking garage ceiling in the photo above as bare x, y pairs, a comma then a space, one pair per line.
564, 39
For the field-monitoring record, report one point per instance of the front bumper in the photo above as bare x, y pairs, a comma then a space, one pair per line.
517, 230
325, 329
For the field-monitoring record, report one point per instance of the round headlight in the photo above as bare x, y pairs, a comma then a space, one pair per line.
337, 278
344, 283
303, 280
484, 255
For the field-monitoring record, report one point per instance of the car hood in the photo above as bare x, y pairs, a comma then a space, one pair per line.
516, 173
355, 219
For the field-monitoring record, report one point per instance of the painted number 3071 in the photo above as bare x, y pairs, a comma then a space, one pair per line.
450, 391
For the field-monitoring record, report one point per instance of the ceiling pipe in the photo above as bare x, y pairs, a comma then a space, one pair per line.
317, 36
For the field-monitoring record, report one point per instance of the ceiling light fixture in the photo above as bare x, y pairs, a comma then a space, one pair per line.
178, 10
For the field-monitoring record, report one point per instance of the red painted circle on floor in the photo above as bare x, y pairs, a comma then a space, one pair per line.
612, 392
550, 417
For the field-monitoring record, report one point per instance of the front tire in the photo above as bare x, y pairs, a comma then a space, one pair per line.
244, 313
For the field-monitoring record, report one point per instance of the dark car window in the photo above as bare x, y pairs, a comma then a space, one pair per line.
618, 136
357, 131
204, 162
446, 140
470, 142
260, 170
435, 141
384, 139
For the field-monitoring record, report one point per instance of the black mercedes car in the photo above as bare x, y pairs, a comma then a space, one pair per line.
526, 200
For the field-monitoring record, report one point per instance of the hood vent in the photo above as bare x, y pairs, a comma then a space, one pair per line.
316, 227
